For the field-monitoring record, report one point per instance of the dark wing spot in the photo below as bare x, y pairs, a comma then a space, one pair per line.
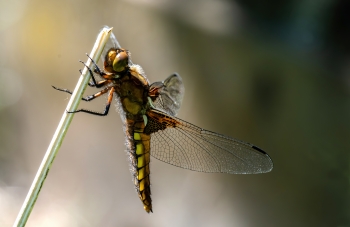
258, 149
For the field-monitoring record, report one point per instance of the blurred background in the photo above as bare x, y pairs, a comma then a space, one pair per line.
273, 73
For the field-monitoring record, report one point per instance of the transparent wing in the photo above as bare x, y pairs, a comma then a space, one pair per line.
185, 145
171, 93
111, 43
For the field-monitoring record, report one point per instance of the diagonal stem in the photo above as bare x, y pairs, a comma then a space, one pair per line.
61, 131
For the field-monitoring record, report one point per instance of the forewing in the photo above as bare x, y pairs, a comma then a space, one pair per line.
185, 145
170, 95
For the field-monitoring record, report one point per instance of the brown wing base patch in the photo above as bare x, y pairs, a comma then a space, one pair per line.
159, 121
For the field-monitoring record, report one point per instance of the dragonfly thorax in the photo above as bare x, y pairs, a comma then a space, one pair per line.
132, 89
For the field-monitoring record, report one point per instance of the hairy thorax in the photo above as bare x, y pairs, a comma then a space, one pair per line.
133, 93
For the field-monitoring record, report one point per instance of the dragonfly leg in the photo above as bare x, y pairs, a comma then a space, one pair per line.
109, 101
87, 98
99, 84
98, 94
94, 82
97, 69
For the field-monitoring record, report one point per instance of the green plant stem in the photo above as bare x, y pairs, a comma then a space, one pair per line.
60, 131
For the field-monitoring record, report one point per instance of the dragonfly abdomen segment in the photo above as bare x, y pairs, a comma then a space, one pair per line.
142, 160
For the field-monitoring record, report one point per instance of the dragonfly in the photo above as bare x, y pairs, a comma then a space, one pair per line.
148, 112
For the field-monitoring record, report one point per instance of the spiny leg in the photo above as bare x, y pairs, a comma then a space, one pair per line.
94, 83
105, 112
65, 90
98, 94
97, 69
87, 98
100, 83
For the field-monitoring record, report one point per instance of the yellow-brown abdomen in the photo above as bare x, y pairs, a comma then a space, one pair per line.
142, 160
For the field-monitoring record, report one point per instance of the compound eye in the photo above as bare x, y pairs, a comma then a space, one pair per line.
120, 61
109, 59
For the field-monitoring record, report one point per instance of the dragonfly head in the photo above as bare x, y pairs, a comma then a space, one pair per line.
116, 60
